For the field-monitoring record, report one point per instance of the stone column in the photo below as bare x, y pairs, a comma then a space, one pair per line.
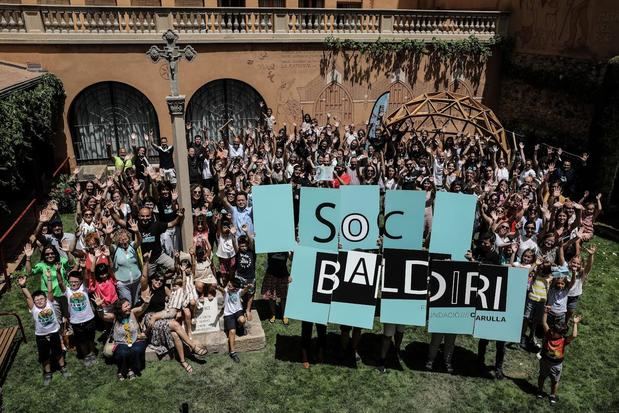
176, 106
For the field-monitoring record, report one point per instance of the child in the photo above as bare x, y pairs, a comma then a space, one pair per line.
184, 298
553, 351
535, 302
234, 319
246, 268
203, 270
226, 249
579, 276
46, 328
81, 316
559, 289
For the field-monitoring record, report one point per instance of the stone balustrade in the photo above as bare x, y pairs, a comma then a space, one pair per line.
105, 24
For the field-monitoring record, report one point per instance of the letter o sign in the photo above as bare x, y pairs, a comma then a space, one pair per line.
362, 223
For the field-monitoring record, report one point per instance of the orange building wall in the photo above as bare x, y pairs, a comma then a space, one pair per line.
291, 78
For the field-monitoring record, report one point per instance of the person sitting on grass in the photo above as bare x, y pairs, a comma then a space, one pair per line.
129, 341
246, 268
553, 352
81, 316
46, 328
234, 318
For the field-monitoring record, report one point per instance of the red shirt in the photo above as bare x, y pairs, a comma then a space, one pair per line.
344, 177
554, 349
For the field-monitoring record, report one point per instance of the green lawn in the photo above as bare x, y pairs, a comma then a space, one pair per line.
273, 380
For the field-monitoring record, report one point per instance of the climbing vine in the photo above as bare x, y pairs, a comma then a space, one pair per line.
28, 118
471, 47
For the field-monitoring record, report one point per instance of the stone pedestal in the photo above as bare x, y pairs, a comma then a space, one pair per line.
217, 342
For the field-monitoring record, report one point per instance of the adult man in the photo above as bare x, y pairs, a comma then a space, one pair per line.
195, 161
56, 235
242, 214
486, 254
166, 161
123, 160
150, 231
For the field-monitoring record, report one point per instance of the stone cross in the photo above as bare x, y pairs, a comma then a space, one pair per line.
172, 54
176, 106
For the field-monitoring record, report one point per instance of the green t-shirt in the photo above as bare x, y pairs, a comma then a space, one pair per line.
41, 269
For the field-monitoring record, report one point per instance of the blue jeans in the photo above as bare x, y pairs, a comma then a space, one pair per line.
130, 358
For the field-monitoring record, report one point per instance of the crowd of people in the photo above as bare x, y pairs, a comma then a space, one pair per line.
122, 269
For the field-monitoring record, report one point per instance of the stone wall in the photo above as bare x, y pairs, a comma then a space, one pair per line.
550, 98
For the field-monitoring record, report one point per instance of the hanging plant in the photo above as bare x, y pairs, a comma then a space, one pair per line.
471, 47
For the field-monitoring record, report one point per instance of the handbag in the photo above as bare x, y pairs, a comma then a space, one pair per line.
109, 347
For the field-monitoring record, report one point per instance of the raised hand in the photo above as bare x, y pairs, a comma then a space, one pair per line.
592, 249
133, 137
585, 156
64, 245
244, 228
109, 228
53, 205
233, 230
146, 296
577, 319
146, 137
21, 281
98, 300
598, 196
146, 256
514, 248
28, 251
45, 216
105, 251
133, 225
174, 194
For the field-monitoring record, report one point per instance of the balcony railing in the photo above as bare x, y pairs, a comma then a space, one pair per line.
104, 24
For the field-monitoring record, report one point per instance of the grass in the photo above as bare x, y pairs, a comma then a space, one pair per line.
273, 380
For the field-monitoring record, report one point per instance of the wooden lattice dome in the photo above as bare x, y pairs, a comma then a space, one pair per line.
450, 113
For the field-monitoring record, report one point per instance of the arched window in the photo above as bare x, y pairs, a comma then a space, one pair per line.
109, 111
336, 101
221, 102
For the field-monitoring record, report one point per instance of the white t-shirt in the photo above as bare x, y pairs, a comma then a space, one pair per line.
232, 302
225, 246
80, 309
576, 290
235, 153
45, 321
501, 173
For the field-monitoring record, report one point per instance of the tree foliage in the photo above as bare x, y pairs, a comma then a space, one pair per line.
28, 117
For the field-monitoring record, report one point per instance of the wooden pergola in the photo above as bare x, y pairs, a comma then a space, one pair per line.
450, 113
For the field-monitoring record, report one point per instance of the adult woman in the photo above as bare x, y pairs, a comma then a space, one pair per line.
125, 263
51, 263
164, 332
129, 342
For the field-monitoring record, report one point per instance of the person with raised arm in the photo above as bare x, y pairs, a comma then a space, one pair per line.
46, 327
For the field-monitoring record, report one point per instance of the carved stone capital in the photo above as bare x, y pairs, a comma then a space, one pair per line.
176, 104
